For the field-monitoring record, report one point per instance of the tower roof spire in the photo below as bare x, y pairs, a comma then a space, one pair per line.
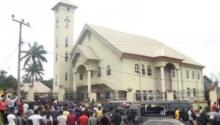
66, 3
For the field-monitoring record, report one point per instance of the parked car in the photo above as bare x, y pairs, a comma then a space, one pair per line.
168, 106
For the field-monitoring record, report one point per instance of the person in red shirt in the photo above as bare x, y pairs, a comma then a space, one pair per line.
71, 118
83, 119
214, 107
21, 107
3, 106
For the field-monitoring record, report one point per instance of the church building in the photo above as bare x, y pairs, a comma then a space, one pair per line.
105, 64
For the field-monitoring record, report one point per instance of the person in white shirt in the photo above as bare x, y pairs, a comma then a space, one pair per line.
61, 119
25, 106
11, 118
36, 118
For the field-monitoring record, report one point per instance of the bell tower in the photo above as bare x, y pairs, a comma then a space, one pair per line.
63, 43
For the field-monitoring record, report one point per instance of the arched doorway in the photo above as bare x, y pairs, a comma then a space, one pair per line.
169, 72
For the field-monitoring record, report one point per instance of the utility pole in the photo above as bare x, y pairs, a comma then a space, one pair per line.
21, 22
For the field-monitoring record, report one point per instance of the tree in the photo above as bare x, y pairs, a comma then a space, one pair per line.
33, 67
35, 54
3, 74
33, 72
7, 82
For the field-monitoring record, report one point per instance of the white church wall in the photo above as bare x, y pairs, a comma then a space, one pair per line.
107, 57
132, 79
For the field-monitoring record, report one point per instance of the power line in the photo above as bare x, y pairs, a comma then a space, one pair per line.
7, 58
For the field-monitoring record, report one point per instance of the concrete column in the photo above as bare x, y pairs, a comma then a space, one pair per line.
162, 82
141, 79
74, 81
162, 79
61, 93
116, 95
89, 83
180, 89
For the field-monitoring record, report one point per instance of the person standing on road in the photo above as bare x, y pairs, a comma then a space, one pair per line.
11, 118
36, 118
71, 118
214, 107
61, 119
83, 119
190, 117
93, 119
203, 118
117, 118
177, 114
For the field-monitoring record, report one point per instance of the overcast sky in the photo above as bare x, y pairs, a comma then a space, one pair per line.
190, 26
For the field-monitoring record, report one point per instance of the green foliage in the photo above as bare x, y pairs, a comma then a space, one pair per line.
33, 67
1, 120
7, 82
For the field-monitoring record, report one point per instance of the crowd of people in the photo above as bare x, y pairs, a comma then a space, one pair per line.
199, 117
52, 113
13, 112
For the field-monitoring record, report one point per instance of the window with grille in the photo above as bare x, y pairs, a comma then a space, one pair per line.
173, 73
108, 70
150, 93
187, 74
91, 74
136, 68
66, 76
188, 92
99, 72
194, 92
198, 75
193, 75
66, 57
81, 76
143, 69
66, 42
149, 71
138, 95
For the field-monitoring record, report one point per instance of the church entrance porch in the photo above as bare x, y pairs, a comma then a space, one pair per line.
102, 92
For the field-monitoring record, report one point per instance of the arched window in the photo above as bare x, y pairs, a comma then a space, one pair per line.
143, 69
81, 76
136, 68
66, 75
108, 70
66, 57
173, 73
149, 71
187, 74
66, 42
193, 75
